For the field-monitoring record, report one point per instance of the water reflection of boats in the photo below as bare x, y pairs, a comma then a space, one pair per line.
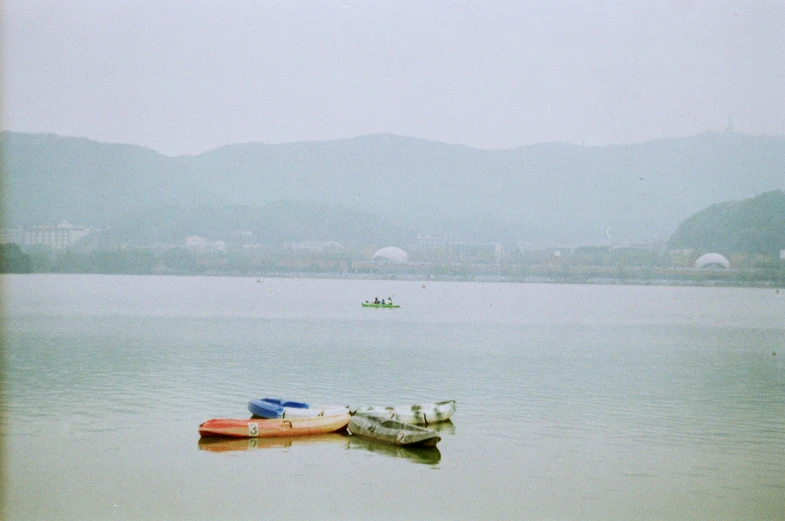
445, 427
225, 444
424, 455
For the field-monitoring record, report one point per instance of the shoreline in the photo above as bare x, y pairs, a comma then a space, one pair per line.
708, 280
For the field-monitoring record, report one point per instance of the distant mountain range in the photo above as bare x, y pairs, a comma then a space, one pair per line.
388, 185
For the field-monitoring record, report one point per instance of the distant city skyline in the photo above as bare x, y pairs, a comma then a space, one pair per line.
184, 78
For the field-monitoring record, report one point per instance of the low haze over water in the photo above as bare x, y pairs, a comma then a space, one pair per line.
574, 401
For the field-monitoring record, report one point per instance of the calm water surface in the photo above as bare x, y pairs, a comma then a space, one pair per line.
574, 402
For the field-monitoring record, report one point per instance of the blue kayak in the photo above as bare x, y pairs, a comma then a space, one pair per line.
276, 409
273, 408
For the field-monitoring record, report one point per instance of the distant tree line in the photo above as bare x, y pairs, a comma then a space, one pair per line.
182, 261
751, 233
14, 260
583, 265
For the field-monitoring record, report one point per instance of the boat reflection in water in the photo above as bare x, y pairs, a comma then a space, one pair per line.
228, 444
427, 455
445, 427
417, 454
424, 455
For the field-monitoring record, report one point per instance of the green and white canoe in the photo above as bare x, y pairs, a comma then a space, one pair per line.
418, 414
372, 305
391, 431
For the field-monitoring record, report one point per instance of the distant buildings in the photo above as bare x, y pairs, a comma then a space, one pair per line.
477, 251
195, 243
59, 237
460, 251
391, 254
316, 246
432, 243
712, 260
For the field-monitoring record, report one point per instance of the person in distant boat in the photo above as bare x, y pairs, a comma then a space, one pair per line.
376, 300
383, 302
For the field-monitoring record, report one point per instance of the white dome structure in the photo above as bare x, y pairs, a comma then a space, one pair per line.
391, 254
712, 260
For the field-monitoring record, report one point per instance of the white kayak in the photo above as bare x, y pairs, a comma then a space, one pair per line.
314, 410
418, 414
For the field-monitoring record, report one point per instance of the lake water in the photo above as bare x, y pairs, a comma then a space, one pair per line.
574, 401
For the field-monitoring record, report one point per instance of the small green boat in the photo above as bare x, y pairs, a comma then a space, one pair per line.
391, 431
372, 305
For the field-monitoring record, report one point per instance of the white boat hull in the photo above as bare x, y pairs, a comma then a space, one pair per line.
419, 414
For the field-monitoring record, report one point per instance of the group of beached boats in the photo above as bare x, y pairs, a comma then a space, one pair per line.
405, 425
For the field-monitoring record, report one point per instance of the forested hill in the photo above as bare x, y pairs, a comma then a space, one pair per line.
548, 192
751, 226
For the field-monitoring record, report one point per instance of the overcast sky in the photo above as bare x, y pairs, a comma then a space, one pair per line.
182, 77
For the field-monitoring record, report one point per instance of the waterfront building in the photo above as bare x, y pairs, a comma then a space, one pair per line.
59, 237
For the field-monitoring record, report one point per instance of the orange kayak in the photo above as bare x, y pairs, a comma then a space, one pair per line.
273, 428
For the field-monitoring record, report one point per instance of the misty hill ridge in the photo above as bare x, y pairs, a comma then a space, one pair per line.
273, 224
751, 226
548, 192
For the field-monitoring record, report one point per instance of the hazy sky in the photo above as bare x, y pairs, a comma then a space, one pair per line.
183, 77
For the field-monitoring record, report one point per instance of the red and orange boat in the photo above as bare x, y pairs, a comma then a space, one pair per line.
274, 428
